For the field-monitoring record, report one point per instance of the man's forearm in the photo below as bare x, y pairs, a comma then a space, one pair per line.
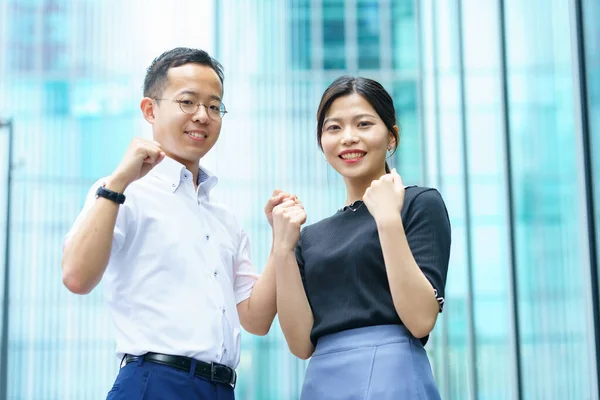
87, 253
262, 304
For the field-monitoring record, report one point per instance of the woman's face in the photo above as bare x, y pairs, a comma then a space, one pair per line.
355, 139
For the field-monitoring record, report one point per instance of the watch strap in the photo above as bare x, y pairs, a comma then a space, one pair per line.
118, 198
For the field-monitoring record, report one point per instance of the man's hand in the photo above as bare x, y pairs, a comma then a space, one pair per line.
277, 198
141, 156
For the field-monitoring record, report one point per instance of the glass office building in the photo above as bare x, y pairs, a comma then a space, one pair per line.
499, 107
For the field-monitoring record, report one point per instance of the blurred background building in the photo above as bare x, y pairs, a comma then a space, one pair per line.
499, 107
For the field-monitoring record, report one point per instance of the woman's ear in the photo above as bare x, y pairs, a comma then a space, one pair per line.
392, 144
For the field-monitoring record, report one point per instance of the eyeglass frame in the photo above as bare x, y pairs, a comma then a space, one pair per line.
180, 102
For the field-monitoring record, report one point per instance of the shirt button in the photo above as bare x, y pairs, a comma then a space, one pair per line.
215, 274
185, 175
223, 310
225, 351
173, 185
207, 237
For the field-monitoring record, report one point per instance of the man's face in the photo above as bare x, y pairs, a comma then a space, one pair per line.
187, 137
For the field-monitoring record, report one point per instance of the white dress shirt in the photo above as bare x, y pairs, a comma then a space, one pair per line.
179, 265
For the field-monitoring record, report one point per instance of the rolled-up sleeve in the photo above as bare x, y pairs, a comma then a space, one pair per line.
245, 275
120, 224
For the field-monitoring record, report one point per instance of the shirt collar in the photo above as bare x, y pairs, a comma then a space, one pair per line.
172, 173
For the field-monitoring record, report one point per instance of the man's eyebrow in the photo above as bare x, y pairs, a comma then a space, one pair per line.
192, 93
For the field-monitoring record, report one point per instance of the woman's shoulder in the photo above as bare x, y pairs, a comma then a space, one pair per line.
422, 197
424, 204
325, 226
415, 190
322, 224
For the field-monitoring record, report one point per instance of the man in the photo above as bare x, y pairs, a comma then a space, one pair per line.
176, 266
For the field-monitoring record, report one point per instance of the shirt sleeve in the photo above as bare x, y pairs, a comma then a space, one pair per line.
245, 275
301, 268
429, 236
300, 262
120, 224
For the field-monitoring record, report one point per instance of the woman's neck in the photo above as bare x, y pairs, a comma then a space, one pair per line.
356, 187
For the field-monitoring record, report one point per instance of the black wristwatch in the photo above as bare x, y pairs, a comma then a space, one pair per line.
118, 198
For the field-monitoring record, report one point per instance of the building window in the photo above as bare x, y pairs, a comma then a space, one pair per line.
334, 40
300, 49
369, 31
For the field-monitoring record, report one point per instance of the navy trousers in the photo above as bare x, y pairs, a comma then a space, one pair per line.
143, 380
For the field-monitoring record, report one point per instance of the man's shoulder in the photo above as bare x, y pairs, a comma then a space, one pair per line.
147, 187
224, 212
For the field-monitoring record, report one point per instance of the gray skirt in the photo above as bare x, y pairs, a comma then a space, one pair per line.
373, 363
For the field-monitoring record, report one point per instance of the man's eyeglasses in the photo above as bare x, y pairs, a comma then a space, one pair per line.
215, 109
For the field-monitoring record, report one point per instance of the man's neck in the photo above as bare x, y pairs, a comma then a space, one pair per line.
195, 170
192, 166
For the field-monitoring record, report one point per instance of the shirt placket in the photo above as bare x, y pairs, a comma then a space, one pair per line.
212, 245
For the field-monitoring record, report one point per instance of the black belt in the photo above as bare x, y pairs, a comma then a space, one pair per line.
214, 371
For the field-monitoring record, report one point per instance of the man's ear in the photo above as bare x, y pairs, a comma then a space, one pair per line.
147, 107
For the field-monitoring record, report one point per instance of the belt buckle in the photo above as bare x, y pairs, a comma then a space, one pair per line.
213, 369
233, 378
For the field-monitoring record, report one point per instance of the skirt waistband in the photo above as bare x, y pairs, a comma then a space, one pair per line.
364, 337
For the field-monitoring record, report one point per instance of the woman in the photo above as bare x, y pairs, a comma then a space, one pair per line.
360, 291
